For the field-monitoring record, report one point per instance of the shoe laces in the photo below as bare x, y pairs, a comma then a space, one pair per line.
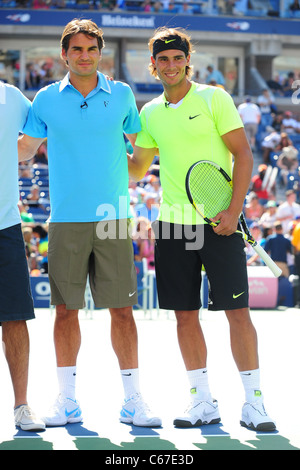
141, 405
24, 410
258, 406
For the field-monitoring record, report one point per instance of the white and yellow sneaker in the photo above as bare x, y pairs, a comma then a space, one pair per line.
199, 412
254, 417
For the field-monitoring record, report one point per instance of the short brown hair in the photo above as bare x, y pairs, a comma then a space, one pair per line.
164, 33
77, 26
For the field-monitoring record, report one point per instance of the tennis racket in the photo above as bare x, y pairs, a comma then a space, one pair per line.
209, 190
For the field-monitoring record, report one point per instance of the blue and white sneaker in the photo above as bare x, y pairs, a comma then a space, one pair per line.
135, 411
63, 411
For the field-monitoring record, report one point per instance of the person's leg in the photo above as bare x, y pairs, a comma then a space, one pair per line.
125, 344
191, 340
67, 336
124, 337
16, 307
245, 353
16, 349
67, 340
243, 339
69, 251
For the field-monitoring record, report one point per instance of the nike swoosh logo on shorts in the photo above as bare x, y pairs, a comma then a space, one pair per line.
235, 296
131, 293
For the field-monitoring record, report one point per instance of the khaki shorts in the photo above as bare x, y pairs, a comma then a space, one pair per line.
79, 250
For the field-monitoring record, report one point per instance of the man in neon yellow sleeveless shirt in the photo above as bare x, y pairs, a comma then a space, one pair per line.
187, 123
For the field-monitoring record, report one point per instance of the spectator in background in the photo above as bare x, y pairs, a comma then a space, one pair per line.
285, 141
144, 238
288, 210
287, 84
214, 75
135, 191
34, 200
295, 6
288, 163
149, 208
289, 124
252, 258
153, 186
269, 144
40, 5
269, 216
257, 184
27, 235
157, 7
185, 8
266, 105
253, 208
278, 246
277, 121
295, 240
146, 6
26, 216
250, 115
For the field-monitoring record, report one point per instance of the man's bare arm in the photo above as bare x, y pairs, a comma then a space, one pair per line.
140, 161
27, 146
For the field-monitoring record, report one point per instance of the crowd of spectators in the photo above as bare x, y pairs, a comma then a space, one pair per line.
272, 206
271, 8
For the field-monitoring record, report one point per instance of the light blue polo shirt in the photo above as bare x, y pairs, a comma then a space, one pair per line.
88, 170
14, 108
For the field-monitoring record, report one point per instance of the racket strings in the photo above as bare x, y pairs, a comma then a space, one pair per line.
209, 189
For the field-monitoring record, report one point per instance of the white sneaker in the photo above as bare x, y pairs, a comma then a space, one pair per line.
64, 411
26, 419
199, 413
135, 411
254, 417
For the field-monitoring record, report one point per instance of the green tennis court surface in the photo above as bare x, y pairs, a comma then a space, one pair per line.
164, 386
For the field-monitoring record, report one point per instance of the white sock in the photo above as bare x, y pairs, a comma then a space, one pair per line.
66, 381
251, 382
130, 378
199, 384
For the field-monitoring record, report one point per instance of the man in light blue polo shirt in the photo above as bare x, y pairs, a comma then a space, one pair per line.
16, 304
84, 118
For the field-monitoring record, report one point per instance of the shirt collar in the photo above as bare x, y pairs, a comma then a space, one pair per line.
2, 93
102, 84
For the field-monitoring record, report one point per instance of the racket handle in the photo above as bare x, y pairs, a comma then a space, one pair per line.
268, 261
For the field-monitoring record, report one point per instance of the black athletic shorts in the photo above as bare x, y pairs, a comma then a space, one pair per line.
16, 301
179, 259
